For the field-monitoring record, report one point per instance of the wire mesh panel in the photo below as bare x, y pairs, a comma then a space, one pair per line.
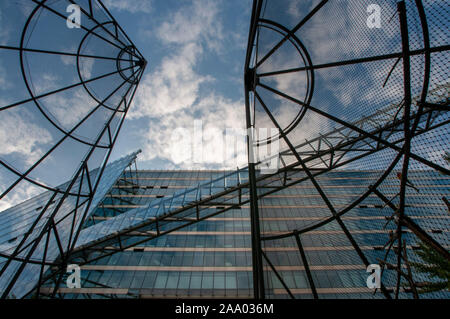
68, 75
355, 93
358, 94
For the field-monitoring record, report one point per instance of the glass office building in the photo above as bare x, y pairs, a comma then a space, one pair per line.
32, 215
213, 258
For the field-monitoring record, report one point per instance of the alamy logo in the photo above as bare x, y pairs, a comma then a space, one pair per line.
74, 279
374, 279
74, 19
374, 19
266, 155
228, 147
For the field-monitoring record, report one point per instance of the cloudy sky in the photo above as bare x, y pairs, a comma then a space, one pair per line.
195, 51
193, 82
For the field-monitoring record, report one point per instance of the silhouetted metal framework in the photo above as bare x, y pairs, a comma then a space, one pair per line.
388, 121
391, 130
299, 63
80, 82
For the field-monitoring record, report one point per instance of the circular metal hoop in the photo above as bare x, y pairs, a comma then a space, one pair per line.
304, 56
130, 51
124, 50
35, 99
396, 160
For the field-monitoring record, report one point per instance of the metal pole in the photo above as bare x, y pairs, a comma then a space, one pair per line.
258, 275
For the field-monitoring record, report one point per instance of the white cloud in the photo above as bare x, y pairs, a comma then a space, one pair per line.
299, 8
358, 88
192, 24
19, 135
69, 108
337, 38
175, 84
19, 194
132, 6
293, 84
86, 68
172, 98
217, 113
46, 82
172, 87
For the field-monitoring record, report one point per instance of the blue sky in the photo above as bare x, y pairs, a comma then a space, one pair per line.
196, 52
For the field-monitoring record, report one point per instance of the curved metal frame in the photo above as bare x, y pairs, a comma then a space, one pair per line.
403, 151
303, 53
23, 252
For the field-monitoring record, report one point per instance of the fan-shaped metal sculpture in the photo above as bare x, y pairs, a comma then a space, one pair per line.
68, 88
347, 95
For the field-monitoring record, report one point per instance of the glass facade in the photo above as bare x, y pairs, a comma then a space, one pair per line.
336, 268
213, 257
32, 216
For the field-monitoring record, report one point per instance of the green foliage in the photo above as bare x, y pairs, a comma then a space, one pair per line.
433, 264
447, 157
436, 266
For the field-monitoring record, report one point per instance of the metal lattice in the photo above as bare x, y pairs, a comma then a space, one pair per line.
70, 84
365, 99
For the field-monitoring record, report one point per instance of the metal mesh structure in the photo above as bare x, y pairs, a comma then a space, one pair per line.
70, 81
359, 109
347, 96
